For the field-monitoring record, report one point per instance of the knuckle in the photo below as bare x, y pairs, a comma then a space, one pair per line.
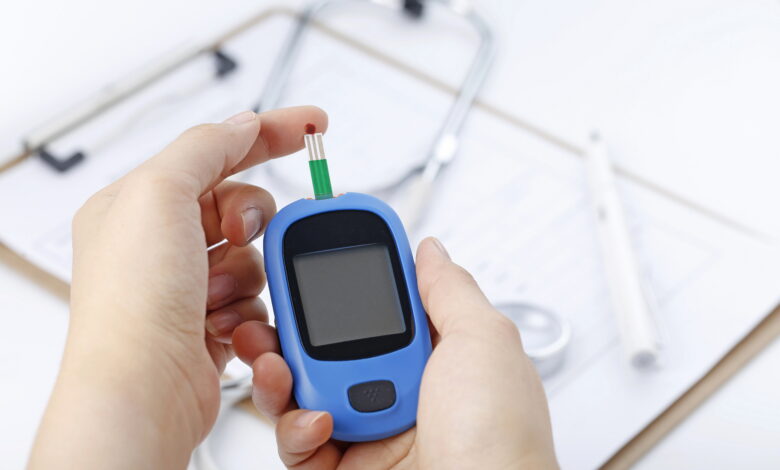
85, 215
249, 190
503, 322
462, 274
505, 326
81, 216
256, 193
158, 182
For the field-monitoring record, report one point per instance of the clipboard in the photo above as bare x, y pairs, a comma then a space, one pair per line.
752, 344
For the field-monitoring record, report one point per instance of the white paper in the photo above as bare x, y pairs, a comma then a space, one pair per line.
512, 208
687, 90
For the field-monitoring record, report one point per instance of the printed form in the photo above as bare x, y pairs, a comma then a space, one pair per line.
512, 208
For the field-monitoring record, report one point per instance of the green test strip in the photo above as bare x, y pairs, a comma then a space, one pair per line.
320, 179
318, 166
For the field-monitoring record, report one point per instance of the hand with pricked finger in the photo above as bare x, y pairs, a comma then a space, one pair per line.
152, 310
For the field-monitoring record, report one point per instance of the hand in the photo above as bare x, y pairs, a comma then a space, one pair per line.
152, 312
481, 405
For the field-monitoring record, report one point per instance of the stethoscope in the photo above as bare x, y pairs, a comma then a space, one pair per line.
418, 181
546, 334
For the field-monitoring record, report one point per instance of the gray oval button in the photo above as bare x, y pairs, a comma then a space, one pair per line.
372, 396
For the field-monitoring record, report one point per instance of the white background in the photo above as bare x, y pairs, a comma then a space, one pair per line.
688, 90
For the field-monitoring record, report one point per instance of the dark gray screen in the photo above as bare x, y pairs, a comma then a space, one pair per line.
348, 294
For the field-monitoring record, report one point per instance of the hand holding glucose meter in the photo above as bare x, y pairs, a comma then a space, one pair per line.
350, 322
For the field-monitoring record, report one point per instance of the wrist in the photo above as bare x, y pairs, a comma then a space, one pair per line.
137, 394
94, 424
143, 370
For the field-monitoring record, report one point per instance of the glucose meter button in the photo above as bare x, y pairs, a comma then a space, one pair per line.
372, 396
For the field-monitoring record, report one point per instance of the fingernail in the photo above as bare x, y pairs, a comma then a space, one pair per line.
440, 247
220, 287
308, 418
253, 219
219, 323
241, 118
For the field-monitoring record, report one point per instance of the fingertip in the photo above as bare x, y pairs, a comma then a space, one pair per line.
318, 423
301, 432
253, 338
432, 257
269, 363
449, 293
431, 249
320, 118
315, 118
282, 131
246, 211
272, 380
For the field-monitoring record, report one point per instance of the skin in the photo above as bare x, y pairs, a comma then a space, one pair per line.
155, 316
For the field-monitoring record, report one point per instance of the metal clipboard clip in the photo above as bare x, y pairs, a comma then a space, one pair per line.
36, 142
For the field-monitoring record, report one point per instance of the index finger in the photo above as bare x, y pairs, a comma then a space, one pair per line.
281, 133
205, 155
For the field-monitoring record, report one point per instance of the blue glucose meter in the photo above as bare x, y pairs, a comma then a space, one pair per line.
348, 314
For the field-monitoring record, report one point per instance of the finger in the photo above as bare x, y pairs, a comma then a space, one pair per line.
253, 339
236, 211
205, 155
221, 323
239, 274
272, 386
282, 133
303, 440
387, 453
449, 293
220, 354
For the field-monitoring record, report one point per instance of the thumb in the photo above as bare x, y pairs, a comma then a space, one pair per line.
206, 154
450, 294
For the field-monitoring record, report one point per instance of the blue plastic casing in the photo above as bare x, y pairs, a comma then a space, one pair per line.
323, 385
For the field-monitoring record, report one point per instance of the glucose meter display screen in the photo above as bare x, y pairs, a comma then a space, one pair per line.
348, 294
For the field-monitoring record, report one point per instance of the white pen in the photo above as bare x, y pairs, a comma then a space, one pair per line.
629, 299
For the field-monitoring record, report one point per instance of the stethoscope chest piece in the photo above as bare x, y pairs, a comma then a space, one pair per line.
545, 335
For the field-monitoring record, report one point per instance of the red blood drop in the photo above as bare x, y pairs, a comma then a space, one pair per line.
310, 128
